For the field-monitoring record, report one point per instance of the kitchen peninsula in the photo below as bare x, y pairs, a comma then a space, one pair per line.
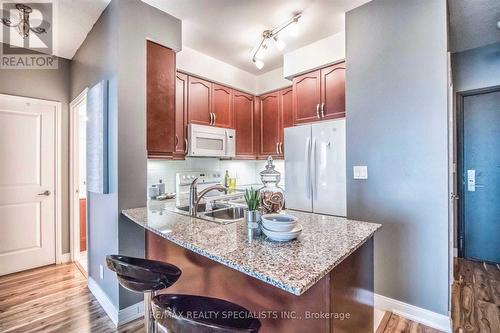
320, 282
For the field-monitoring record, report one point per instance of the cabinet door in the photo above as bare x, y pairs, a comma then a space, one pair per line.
199, 101
306, 97
270, 134
333, 91
222, 105
244, 124
160, 106
181, 82
286, 114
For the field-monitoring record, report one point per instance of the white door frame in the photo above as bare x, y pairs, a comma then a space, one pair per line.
57, 168
74, 217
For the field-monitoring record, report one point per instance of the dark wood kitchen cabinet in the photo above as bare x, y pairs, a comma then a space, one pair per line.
306, 97
222, 107
333, 92
199, 101
181, 95
319, 95
270, 127
160, 101
243, 111
286, 115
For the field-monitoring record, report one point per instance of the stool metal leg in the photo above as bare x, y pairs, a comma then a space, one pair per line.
149, 320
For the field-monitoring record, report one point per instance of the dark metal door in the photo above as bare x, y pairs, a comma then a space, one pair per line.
481, 176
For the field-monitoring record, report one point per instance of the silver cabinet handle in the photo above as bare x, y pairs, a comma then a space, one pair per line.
176, 141
322, 110
277, 148
210, 118
186, 148
45, 193
317, 111
215, 118
281, 148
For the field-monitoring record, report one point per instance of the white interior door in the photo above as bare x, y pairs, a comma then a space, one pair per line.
27, 183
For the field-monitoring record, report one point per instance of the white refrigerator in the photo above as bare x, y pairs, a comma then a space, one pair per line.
315, 168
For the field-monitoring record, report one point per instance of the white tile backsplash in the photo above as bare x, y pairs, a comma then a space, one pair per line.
245, 171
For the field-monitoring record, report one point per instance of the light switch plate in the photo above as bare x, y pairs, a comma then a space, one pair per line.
360, 172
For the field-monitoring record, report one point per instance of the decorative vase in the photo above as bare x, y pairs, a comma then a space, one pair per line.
252, 218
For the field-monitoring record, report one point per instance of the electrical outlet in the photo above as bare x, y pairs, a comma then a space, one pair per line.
101, 272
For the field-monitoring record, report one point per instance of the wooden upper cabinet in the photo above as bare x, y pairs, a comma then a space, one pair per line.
270, 124
333, 91
286, 100
160, 100
306, 97
181, 93
243, 110
222, 107
199, 101
286, 114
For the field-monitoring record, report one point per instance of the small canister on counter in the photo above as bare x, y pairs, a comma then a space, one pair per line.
272, 199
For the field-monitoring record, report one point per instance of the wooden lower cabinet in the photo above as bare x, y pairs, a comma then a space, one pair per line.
243, 110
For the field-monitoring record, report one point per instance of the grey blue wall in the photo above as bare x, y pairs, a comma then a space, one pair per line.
476, 68
163, 29
96, 60
115, 49
53, 85
396, 95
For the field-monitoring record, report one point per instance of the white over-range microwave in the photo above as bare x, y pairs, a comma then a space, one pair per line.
210, 141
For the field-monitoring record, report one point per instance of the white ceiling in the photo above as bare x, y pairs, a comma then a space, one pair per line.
72, 20
473, 23
229, 30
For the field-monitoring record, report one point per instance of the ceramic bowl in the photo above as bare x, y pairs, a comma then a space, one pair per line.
281, 236
279, 222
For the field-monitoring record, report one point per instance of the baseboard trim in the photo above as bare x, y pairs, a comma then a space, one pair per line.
103, 299
130, 313
120, 317
411, 312
65, 258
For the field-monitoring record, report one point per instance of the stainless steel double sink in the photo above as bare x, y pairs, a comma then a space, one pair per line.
223, 213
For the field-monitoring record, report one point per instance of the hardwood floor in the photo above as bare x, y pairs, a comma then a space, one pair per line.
392, 323
53, 299
56, 299
476, 297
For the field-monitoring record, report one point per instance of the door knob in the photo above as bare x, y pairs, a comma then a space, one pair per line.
46, 193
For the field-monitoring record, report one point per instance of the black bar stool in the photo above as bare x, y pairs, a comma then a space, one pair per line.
200, 314
177, 313
143, 276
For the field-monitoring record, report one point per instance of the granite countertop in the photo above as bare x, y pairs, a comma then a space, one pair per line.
292, 266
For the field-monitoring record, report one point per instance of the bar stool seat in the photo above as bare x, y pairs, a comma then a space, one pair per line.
200, 314
142, 275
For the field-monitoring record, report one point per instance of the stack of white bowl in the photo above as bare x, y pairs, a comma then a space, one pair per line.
281, 227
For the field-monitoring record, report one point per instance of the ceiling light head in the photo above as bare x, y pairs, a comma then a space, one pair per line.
261, 52
258, 63
280, 44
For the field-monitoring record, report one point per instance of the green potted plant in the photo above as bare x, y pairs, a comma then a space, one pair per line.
252, 215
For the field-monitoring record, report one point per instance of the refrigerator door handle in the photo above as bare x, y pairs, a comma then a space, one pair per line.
308, 169
313, 168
